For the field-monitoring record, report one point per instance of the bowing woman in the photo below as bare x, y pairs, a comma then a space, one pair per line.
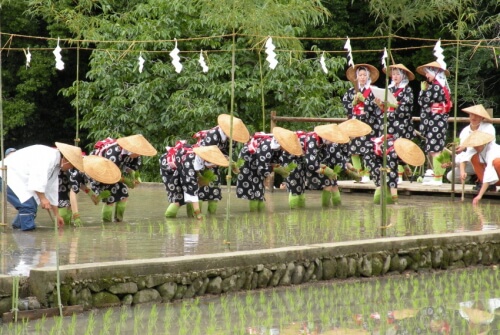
262, 156
220, 136
359, 103
435, 103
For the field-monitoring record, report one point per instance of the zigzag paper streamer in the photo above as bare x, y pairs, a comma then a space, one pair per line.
271, 55
438, 52
175, 58
323, 64
57, 54
202, 62
141, 62
347, 47
384, 57
28, 58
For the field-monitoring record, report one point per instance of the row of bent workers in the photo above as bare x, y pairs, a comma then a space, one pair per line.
307, 160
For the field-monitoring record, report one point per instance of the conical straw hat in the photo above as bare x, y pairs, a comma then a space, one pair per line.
72, 154
101, 169
355, 128
490, 112
351, 72
212, 154
409, 74
436, 65
409, 152
240, 131
478, 316
332, 133
288, 141
478, 110
137, 144
477, 138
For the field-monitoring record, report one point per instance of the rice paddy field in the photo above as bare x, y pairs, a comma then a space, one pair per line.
452, 302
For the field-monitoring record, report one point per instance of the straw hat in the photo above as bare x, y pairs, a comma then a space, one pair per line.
478, 110
288, 141
404, 313
409, 74
212, 154
490, 112
355, 128
332, 133
351, 72
240, 131
409, 152
137, 144
101, 169
477, 138
436, 65
478, 316
72, 154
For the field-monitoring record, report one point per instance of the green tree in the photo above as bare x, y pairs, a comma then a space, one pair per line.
115, 99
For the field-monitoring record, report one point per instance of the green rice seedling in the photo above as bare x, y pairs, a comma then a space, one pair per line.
211, 329
152, 319
262, 298
72, 325
249, 299
168, 317
138, 321
90, 324
107, 320
40, 325
58, 326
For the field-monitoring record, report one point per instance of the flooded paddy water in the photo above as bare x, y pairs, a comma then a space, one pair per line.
452, 302
147, 234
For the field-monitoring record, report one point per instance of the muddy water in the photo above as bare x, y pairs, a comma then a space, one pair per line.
147, 234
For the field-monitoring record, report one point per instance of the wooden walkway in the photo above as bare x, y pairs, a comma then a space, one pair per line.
413, 188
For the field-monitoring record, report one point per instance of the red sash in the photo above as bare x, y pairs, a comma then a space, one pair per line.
442, 107
378, 143
256, 139
171, 151
359, 109
101, 146
202, 134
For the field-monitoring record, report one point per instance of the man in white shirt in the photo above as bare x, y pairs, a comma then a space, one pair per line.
486, 157
32, 180
479, 119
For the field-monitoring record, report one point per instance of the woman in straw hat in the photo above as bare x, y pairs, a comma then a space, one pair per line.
295, 182
486, 153
126, 153
479, 119
33, 180
171, 177
189, 165
324, 150
262, 156
399, 118
220, 136
435, 103
359, 103
72, 181
397, 150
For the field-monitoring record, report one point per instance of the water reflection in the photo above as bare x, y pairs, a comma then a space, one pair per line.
147, 234
452, 302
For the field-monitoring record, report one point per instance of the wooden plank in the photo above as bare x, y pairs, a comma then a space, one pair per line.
414, 188
39, 313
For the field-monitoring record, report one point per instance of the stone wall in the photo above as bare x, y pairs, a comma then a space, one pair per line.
101, 285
